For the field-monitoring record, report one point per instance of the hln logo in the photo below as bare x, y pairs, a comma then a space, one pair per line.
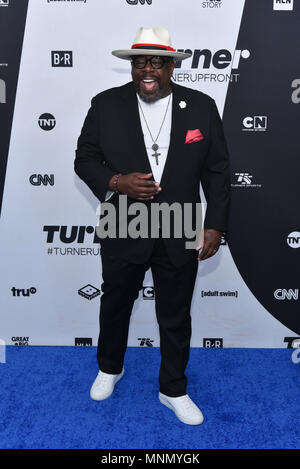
255, 123
283, 4
213, 343
39, 179
62, 58
2, 92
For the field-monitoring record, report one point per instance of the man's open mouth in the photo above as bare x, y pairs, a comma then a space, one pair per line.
148, 85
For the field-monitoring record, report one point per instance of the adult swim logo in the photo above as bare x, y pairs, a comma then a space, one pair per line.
206, 59
47, 121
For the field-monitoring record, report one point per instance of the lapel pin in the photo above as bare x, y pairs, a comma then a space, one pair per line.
182, 104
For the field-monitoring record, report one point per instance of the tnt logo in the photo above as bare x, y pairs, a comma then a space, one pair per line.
148, 293
2, 92
255, 123
213, 343
145, 342
293, 239
283, 294
62, 58
47, 121
283, 5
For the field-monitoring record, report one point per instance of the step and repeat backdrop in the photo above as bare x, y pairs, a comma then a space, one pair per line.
55, 55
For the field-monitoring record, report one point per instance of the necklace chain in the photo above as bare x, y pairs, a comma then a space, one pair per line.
154, 141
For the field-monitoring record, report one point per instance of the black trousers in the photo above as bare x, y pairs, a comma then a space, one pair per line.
173, 288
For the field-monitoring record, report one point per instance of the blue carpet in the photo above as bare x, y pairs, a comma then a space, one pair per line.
249, 398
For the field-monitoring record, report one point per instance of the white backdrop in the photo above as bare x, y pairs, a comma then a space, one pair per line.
39, 289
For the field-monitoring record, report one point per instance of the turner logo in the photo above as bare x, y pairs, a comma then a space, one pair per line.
255, 123
73, 234
2, 92
206, 59
283, 4
47, 121
296, 93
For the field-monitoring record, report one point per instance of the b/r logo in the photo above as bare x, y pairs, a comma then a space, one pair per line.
62, 58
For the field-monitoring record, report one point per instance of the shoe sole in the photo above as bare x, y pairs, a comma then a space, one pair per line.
182, 419
108, 395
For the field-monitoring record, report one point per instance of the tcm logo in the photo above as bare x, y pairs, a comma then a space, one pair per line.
292, 342
62, 58
4, 3
145, 342
89, 292
283, 4
293, 239
69, 234
2, 92
83, 342
23, 291
255, 123
213, 343
39, 179
148, 293
212, 4
47, 121
220, 59
141, 2
20, 340
296, 93
283, 294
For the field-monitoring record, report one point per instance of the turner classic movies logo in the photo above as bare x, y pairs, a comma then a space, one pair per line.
206, 59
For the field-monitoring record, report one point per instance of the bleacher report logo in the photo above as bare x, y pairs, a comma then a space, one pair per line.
47, 121
255, 123
283, 5
293, 239
62, 58
213, 343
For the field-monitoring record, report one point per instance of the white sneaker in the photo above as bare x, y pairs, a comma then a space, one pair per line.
103, 385
184, 408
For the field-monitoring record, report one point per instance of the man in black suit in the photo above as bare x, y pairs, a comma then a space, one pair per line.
118, 154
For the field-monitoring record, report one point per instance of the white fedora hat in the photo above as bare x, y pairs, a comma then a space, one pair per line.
153, 41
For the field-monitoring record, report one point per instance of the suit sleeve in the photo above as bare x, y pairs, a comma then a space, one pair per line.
215, 176
89, 163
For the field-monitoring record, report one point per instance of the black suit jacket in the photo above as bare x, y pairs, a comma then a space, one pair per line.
111, 141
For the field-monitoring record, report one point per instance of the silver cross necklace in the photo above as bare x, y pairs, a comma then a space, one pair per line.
155, 147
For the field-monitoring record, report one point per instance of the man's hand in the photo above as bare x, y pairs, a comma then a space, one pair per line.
136, 186
212, 240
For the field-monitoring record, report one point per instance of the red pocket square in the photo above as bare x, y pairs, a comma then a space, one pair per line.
193, 136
